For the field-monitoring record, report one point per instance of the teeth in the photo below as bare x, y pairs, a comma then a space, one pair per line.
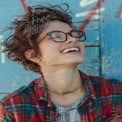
70, 49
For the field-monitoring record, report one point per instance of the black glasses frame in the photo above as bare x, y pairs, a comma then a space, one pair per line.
69, 33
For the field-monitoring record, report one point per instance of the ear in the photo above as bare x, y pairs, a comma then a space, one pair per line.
30, 55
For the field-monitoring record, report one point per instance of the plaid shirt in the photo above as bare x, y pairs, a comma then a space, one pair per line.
32, 103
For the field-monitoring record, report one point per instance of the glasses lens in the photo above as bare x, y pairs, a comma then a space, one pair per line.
58, 36
78, 34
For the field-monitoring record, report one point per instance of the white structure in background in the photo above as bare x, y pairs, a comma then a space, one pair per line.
1, 48
121, 15
85, 3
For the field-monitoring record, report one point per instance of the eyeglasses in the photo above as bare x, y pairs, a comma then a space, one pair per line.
59, 36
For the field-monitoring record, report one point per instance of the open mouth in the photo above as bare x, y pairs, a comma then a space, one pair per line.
69, 50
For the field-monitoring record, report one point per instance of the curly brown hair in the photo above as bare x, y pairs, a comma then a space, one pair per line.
27, 29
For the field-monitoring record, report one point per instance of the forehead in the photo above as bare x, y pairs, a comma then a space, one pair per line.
57, 26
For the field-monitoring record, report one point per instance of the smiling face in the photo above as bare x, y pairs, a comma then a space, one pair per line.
68, 53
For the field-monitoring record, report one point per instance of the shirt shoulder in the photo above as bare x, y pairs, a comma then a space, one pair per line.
16, 95
105, 87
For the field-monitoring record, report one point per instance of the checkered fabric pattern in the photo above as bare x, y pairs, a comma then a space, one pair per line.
32, 103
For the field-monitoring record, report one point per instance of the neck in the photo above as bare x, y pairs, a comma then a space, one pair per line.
65, 93
62, 81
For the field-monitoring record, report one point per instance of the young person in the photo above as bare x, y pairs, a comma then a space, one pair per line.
45, 41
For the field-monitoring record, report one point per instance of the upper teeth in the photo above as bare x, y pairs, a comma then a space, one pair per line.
70, 49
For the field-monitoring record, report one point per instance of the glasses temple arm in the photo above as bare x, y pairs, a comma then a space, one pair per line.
41, 38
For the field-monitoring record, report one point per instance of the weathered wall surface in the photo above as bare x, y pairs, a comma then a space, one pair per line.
100, 19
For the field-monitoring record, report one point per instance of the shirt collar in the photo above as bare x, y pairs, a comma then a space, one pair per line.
40, 90
90, 91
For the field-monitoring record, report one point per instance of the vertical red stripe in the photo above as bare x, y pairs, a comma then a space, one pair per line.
24, 5
90, 14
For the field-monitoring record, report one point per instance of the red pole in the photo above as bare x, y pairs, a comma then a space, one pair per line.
24, 5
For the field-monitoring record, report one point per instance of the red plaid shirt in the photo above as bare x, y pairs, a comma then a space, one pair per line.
32, 103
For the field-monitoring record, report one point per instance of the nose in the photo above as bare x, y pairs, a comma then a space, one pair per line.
71, 39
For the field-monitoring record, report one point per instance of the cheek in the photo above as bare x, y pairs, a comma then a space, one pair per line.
49, 52
45, 48
81, 46
49, 48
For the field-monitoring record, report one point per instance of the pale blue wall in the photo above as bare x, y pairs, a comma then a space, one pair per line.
103, 53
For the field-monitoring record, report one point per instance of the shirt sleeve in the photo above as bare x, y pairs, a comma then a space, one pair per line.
3, 115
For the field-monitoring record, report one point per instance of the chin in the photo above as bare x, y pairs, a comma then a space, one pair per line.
77, 60
68, 61
73, 62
